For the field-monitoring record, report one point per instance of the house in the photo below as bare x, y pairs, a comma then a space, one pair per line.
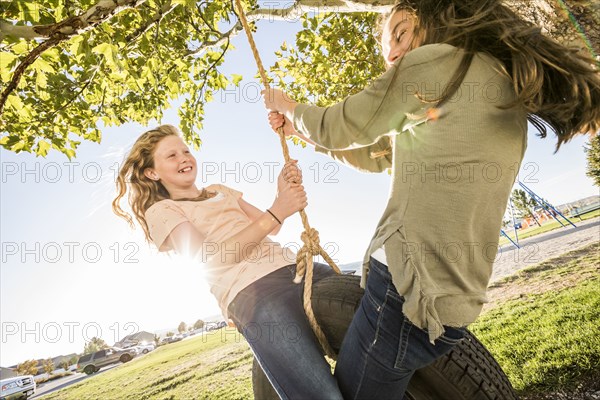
6, 373
135, 338
59, 360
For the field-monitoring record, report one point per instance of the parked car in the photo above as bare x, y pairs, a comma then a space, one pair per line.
18, 387
143, 348
176, 338
90, 363
171, 339
211, 326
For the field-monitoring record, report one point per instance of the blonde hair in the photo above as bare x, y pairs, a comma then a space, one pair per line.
558, 86
144, 192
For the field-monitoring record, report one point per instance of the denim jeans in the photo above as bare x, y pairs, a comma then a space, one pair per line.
270, 315
382, 348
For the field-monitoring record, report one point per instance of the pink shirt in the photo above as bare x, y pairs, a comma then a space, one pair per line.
217, 219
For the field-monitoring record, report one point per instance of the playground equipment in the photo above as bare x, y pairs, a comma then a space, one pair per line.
550, 209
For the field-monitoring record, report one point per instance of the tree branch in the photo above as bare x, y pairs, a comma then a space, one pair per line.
27, 61
165, 9
223, 38
305, 6
56, 33
100, 12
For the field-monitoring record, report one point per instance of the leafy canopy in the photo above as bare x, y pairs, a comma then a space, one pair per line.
127, 69
69, 67
130, 67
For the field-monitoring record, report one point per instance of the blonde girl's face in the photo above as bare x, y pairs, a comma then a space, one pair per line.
174, 165
398, 36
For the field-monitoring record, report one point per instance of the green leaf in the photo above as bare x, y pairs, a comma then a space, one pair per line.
185, 3
21, 47
31, 12
40, 80
213, 55
236, 79
5, 60
18, 146
109, 51
75, 46
42, 65
69, 153
15, 102
59, 12
222, 82
51, 55
43, 147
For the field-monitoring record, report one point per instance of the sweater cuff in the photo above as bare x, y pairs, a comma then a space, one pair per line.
297, 119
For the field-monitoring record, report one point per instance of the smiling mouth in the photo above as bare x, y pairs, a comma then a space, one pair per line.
186, 169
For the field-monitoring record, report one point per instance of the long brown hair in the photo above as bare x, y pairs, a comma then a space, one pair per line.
558, 86
143, 192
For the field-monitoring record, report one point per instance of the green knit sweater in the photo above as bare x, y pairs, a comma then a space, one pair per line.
452, 173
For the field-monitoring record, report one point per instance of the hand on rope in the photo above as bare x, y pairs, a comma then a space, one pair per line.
277, 120
278, 100
291, 196
290, 173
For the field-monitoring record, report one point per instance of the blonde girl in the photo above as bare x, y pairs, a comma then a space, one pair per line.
250, 275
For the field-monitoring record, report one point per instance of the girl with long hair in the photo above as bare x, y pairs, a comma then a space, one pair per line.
449, 117
250, 276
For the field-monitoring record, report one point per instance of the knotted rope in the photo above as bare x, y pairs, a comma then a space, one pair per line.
310, 236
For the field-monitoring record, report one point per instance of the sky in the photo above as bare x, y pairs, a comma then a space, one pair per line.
72, 270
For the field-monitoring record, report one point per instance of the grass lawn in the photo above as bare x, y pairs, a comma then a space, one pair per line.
547, 227
542, 325
214, 366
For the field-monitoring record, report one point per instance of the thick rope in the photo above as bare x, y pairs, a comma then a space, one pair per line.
310, 236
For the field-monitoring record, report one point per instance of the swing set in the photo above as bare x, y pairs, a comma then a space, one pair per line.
549, 208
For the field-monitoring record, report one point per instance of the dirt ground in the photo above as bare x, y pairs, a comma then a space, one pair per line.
553, 274
544, 246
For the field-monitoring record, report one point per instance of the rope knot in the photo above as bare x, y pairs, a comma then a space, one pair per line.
312, 247
311, 241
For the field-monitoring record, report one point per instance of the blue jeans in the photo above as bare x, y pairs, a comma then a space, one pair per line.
270, 315
382, 348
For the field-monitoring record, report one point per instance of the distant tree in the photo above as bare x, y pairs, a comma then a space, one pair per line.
94, 345
156, 339
65, 364
593, 158
48, 366
182, 326
169, 334
28, 367
525, 203
199, 324
73, 360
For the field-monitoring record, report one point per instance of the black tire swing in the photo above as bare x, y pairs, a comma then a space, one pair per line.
468, 372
